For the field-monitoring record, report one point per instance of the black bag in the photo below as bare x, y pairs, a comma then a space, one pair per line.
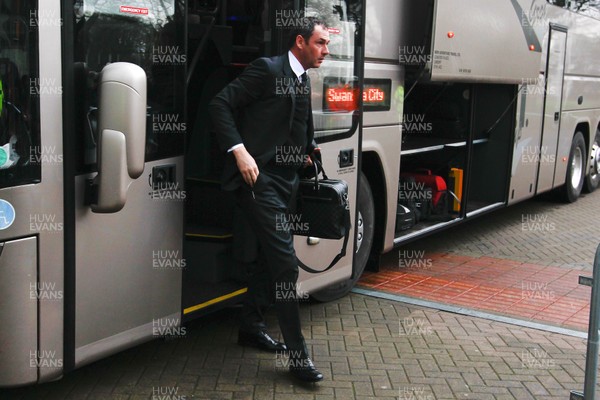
417, 199
324, 211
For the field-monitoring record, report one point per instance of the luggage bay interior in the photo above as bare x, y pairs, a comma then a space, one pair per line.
456, 153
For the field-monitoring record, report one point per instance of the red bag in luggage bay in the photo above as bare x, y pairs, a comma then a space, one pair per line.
438, 186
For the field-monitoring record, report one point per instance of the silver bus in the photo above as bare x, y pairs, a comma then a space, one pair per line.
113, 227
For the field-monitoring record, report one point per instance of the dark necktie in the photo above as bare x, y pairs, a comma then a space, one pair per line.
303, 78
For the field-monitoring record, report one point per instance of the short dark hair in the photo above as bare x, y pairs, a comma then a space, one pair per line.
305, 30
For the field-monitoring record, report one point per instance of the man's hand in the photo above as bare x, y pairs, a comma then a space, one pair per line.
246, 164
316, 153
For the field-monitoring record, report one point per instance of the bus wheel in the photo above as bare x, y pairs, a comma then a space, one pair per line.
592, 179
365, 227
575, 169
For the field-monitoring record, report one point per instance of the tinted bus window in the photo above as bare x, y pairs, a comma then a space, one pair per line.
20, 89
149, 34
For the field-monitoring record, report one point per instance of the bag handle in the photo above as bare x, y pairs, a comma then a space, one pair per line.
336, 258
319, 169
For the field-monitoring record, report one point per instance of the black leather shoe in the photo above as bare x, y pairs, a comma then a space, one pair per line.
260, 340
304, 369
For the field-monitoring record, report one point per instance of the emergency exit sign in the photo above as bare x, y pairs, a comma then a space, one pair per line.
134, 10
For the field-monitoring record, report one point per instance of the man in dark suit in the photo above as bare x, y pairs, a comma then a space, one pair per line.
263, 121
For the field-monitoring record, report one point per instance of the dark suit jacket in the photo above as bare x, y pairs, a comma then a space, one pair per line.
257, 111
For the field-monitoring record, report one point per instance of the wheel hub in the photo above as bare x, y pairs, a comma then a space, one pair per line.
576, 168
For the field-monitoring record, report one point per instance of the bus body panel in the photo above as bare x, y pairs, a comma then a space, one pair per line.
38, 211
18, 280
527, 152
383, 31
129, 267
581, 93
382, 134
470, 42
583, 40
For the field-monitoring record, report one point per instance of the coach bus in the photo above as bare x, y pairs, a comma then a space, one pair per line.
113, 227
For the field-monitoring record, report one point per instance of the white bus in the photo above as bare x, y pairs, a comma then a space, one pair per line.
113, 226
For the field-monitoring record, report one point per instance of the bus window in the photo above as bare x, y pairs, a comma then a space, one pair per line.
149, 34
19, 95
335, 84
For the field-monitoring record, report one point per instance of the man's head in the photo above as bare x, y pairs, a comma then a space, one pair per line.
309, 43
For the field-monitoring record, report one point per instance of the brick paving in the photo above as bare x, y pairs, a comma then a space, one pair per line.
523, 261
544, 294
367, 348
541, 231
371, 348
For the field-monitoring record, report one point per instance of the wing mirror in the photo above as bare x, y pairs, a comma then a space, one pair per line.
121, 134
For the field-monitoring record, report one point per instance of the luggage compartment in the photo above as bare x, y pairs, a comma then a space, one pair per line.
456, 153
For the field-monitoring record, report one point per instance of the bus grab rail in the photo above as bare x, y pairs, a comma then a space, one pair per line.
203, 42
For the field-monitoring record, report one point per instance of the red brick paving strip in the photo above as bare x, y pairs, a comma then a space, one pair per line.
539, 293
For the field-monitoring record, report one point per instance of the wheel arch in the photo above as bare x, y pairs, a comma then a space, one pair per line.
373, 170
584, 128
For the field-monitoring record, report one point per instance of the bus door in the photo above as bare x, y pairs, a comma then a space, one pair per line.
124, 68
336, 97
555, 69
528, 132
243, 31
31, 196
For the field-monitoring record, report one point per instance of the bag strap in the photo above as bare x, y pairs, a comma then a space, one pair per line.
336, 258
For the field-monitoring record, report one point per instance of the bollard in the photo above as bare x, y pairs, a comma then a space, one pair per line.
591, 358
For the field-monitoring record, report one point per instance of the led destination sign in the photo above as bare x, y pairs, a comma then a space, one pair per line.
340, 96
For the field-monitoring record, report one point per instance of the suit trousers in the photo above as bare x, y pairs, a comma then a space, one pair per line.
273, 278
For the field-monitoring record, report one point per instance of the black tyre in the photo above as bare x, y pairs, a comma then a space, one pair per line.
365, 227
575, 169
592, 178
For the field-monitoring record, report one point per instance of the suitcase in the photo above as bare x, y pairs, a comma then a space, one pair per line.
437, 185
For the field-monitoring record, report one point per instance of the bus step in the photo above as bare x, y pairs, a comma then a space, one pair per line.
207, 262
206, 233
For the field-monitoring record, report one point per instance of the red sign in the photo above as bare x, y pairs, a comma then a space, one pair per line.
333, 30
344, 97
341, 99
374, 95
133, 10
